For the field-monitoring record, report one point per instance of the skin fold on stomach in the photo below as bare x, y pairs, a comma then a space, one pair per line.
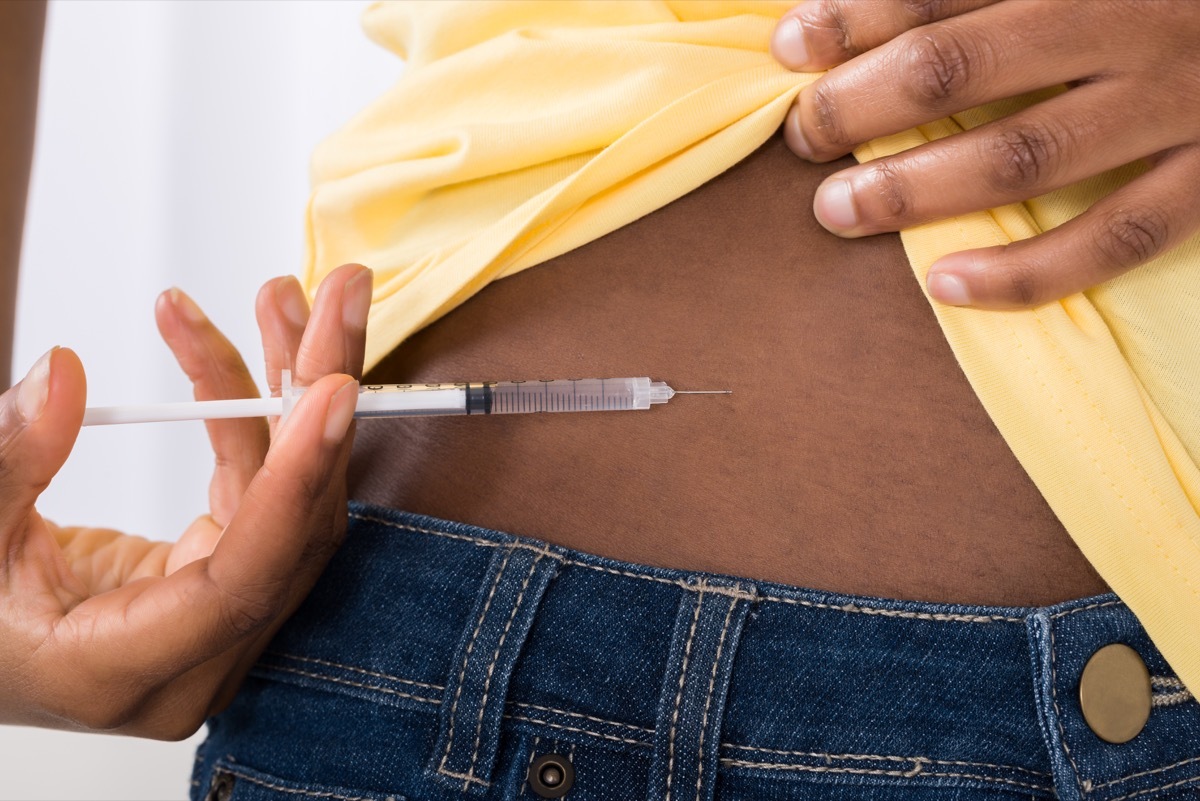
853, 455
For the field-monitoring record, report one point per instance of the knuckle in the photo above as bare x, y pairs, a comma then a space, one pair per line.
828, 130
248, 609
923, 12
1022, 284
1020, 157
891, 193
1132, 236
834, 18
941, 63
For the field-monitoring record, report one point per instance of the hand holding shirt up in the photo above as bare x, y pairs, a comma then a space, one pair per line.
1134, 71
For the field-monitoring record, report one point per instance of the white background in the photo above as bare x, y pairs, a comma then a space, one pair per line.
172, 149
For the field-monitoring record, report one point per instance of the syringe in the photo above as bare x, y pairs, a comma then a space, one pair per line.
413, 400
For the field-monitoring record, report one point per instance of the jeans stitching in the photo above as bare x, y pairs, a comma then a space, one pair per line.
1167, 681
487, 684
468, 780
889, 758
602, 736
326, 662
916, 772
734, 746
712, 684
854, 608
1171, 699
1058, 714
687, 653
293, 791
867, 610
532, 753
467, 658
1146, 773
336, 680
1100, 605
1156, 789
585, 717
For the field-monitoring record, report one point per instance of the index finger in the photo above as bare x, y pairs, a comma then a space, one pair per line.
818, 34
939, 69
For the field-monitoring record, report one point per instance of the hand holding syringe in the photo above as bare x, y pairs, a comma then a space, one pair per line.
101, 630
413, 400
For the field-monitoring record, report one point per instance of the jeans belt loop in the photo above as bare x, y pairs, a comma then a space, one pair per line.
691, 705
472, 708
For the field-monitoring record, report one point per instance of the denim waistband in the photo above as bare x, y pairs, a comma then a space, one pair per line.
700, 675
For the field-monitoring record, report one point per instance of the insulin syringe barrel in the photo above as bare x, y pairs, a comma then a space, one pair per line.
511, 397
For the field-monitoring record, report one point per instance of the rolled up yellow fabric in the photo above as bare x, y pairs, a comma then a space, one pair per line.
520, 130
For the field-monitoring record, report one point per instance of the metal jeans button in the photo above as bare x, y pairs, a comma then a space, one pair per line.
551, 775
1115, 693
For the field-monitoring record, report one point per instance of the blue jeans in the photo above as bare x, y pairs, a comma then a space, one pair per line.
438, 661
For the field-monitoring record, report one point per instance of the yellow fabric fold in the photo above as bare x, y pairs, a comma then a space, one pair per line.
521, 130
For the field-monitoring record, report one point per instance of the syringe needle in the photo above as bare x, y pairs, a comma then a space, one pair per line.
704, 392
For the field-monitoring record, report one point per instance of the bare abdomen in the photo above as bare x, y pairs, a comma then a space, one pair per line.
853, 455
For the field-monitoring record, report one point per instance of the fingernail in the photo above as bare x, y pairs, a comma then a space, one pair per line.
341, 412
949, 289
356, 300
187, 307
834, 206
35, 388
291, 300
788, 45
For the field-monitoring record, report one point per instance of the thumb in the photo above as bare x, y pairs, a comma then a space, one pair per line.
39, 421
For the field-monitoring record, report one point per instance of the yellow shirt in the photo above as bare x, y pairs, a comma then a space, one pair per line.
522, 129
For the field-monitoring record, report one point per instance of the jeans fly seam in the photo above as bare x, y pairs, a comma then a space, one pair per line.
487, 683
1189, 780
687, 653
853, 608
1147, 772
712, 684
890, 758
347, 682
467, 658
1062, 733
327, 663
910, 774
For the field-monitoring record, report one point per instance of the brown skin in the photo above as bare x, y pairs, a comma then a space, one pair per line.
1134, 67
21, 26
853, 455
